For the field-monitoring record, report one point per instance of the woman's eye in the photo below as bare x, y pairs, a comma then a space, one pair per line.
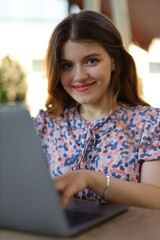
92, 61
66, 66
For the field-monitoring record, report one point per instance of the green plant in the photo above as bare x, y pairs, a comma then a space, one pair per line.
13, 84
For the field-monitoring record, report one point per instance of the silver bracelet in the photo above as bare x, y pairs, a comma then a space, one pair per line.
107, 186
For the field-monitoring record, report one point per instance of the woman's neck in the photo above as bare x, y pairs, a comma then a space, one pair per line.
93, 113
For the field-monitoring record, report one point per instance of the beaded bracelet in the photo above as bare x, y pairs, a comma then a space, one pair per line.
107, 186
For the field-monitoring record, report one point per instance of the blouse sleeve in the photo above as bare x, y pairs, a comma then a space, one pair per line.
150, 140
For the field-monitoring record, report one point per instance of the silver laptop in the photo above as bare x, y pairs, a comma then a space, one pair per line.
28, 199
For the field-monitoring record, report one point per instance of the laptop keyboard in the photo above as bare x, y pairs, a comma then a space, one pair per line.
75, 218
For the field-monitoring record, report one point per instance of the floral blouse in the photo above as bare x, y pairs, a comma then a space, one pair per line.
117, 144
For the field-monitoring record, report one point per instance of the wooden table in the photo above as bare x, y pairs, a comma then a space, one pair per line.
133, 224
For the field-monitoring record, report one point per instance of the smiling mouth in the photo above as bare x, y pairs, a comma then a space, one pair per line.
83, 87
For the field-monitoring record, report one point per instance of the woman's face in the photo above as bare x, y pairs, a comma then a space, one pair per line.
85, 71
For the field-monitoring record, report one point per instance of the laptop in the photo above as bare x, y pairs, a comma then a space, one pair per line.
28, 199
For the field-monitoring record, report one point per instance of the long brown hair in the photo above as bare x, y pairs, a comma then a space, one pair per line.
91, 26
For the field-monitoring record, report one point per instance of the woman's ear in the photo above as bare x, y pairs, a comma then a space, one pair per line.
112, 64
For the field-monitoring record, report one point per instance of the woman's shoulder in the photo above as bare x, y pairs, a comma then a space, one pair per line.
144, 111
44, 118
139, 115
41, 117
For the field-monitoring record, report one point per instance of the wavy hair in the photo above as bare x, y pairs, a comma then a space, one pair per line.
95, 27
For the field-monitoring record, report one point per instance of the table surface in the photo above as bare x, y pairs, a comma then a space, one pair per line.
133, 224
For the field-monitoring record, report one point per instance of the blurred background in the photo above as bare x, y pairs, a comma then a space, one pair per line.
25, 29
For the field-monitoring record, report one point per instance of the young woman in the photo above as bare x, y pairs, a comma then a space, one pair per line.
100, 138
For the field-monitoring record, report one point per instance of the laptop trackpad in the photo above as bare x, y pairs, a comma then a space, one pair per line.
83, 211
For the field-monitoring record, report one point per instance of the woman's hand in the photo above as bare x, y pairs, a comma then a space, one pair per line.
71, 183
74, 182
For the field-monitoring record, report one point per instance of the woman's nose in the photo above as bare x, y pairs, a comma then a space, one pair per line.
80, 74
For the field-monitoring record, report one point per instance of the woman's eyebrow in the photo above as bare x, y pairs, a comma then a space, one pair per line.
85, 57
92, 55
64, 60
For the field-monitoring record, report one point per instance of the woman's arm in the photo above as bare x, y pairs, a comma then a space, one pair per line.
144, 194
